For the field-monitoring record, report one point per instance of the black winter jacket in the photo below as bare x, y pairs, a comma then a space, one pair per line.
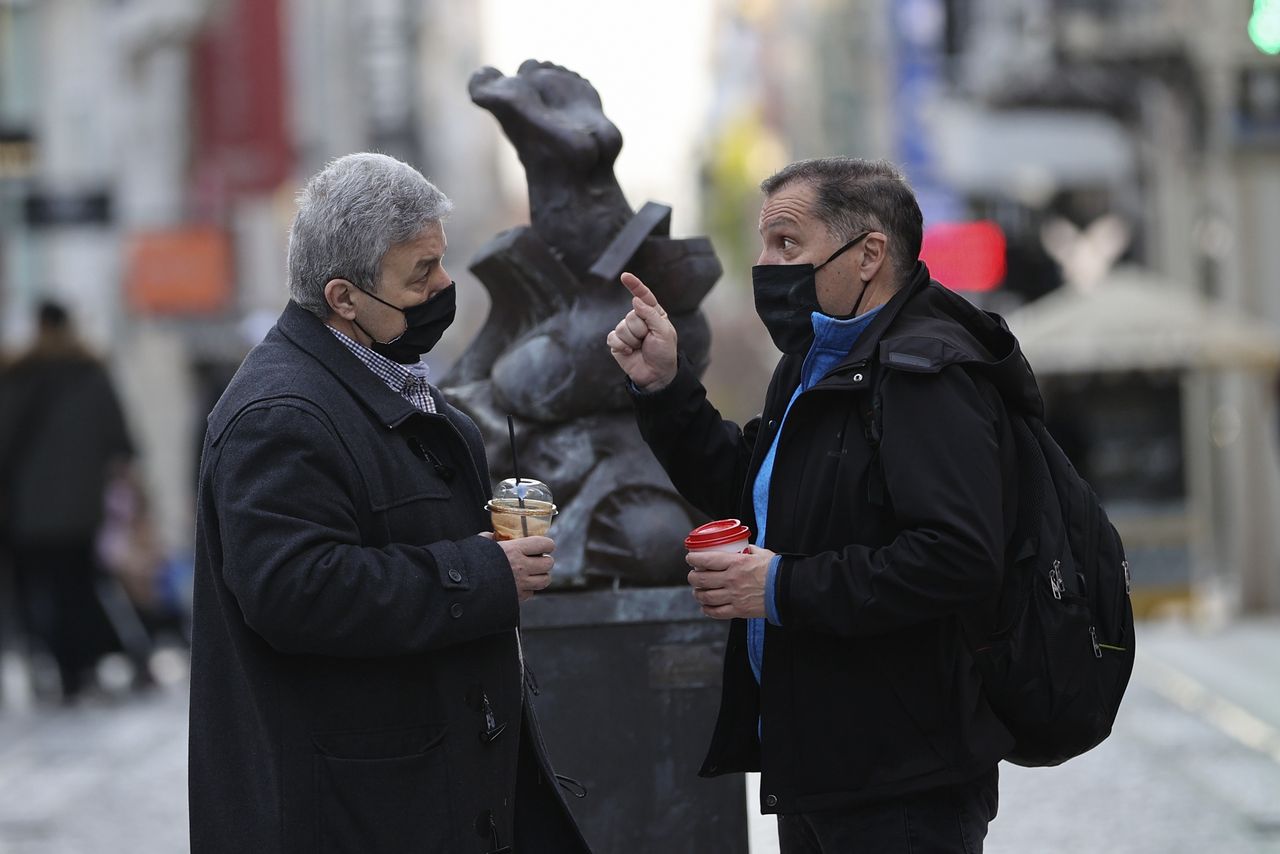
869, 690
353, 637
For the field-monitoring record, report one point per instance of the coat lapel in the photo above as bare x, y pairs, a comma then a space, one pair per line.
314, 337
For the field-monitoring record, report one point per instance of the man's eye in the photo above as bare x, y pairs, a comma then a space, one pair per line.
787, 242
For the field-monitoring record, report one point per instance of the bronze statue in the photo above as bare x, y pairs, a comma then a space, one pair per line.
555, 295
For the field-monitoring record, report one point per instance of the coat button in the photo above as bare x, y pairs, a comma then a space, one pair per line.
455, 576
455, 610
773, 423
771, 801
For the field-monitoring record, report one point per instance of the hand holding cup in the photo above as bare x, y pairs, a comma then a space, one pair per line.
531, 562
728, 576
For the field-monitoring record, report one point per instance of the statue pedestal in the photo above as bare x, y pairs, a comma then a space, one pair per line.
629, 686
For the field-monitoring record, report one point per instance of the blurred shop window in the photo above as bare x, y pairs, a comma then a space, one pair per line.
1123, 433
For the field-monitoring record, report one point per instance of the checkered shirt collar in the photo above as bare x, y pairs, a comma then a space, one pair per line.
400, 379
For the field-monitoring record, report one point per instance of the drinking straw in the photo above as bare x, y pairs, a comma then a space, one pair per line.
515, 467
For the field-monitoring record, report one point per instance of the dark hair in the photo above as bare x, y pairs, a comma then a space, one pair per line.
52, 315
854, 195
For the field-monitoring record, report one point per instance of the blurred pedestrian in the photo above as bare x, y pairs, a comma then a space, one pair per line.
62, 437
356, 678
879, 511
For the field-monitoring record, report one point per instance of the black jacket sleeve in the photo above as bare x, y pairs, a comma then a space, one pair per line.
294, 560
942, 468
705, 456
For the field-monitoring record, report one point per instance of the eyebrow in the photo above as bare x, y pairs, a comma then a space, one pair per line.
423, 263
778, 220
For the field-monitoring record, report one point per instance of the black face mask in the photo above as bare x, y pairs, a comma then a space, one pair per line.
423, 325
786, 297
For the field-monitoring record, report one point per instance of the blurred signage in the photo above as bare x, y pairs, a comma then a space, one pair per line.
965, 256
241, 142
43, 209
183, 271
17, 154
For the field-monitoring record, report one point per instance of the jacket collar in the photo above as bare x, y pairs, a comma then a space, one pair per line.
852, 373
313, 337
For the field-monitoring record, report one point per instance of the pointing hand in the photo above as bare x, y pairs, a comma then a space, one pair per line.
644, 342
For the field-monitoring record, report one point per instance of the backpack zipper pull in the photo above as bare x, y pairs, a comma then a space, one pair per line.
1128, 582
1093, 638
1055, 579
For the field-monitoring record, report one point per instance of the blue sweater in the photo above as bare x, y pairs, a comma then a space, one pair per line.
833, 339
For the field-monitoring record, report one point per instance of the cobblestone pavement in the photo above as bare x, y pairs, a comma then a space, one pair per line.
1192, 768
105, 777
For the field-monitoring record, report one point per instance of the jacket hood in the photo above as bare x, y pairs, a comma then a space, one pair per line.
925, 327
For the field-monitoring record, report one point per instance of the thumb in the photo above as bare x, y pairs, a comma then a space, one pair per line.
652, 315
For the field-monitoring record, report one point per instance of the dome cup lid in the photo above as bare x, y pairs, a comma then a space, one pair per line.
528, 490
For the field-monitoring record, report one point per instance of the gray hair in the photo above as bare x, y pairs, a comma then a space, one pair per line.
853, 195
349, 215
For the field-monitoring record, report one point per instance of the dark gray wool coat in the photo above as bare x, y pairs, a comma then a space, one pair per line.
354, 654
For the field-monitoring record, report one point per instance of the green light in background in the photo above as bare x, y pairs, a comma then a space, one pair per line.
1264, 26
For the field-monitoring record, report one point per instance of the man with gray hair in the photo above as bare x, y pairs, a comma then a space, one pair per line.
875, 481
356, 680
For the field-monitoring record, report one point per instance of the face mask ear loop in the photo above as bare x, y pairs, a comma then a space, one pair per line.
842, 250
859, 302
388, 305
837, 254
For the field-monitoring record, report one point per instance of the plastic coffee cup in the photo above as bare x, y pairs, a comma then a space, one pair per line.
723, 535
521, 509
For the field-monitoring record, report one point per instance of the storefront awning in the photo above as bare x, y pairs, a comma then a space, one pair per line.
1138, 320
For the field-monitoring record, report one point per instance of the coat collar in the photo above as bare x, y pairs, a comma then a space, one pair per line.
852, 373
310, 334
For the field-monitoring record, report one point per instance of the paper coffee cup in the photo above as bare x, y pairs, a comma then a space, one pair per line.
723, 535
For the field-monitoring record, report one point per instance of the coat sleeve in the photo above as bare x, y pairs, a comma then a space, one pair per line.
293, 559
942, 467
705, 456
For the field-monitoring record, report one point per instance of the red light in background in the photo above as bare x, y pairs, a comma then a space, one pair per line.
965, 256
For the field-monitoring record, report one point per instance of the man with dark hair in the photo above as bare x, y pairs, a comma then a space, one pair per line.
876, 482
62, 437
356, 677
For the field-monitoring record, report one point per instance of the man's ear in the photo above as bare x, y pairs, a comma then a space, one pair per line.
875, 254
337, 293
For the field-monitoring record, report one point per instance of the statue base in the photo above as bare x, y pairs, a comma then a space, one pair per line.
628, 688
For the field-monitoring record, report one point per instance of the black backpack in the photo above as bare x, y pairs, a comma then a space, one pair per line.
1057, 664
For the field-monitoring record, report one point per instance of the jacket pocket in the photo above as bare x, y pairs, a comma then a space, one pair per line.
385, 790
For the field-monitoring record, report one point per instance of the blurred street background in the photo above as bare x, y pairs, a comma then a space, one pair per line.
1192, 767
1103, 173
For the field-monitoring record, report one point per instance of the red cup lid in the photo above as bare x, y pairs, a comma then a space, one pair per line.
718, 533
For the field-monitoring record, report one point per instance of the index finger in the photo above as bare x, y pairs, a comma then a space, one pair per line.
710, 561
639, 289
536, 545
